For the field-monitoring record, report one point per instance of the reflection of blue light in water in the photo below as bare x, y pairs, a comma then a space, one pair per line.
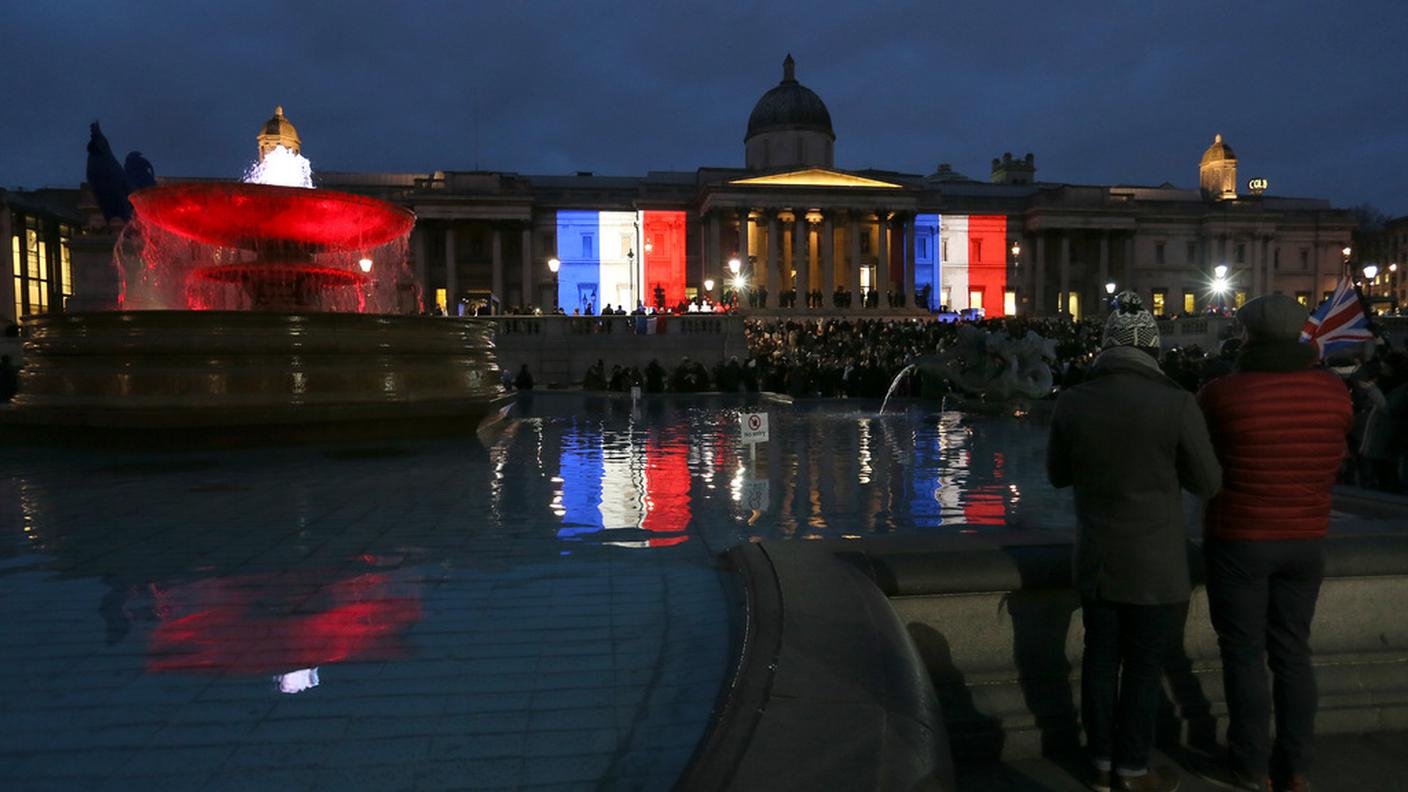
582, 469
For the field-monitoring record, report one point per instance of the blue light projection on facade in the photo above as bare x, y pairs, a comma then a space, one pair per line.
579, 250
927, 257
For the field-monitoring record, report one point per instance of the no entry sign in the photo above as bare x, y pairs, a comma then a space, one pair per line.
755, 427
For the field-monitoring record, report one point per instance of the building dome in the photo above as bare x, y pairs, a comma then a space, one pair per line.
1217, 173
789, 106
1218, 152
278, 131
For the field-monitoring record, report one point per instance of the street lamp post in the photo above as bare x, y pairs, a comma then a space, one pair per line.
553, 266
1219, 286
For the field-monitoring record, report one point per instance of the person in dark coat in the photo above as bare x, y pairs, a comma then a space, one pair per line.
9, 379
524, 380
1129, 440
1280, 428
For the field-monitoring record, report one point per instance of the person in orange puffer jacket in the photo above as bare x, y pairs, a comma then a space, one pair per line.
1279, 425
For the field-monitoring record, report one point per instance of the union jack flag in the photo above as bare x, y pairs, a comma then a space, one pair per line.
1340, 324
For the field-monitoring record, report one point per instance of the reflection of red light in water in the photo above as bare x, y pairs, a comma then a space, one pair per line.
261, 624
666, 492
985, 505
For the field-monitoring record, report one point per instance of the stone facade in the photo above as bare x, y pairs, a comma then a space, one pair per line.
1011, 245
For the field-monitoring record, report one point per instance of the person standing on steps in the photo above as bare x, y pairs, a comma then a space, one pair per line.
1129, 440
1280, 426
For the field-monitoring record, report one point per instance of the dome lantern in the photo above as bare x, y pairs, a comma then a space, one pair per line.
789, 127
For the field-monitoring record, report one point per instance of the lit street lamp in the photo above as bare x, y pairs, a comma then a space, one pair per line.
553, 266
1371, 271
1110, 288
708, 284
734, 265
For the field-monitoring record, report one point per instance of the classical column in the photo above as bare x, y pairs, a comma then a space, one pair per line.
742, 241
828, 258
419, 242
1104, 269
711, 251
496, 247
1129, 266
525, 247
1268, 283
800, 237
853, 241
774, 270
1039, 305
882, 253
452, 276
1063, 275
909, 279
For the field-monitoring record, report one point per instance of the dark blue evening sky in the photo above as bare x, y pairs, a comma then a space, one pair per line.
1310, 95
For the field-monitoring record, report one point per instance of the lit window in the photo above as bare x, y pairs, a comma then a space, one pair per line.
1160, 296
921, 247
1303, 298
1190, 302
945, 297
1073, 305
1239, 298
975, 298
1009, 302
587, 250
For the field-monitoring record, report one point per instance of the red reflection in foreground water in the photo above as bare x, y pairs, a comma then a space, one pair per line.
268, 624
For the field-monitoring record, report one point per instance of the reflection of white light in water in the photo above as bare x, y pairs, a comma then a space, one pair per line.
864, 455
735, 485
297, 681
281, 168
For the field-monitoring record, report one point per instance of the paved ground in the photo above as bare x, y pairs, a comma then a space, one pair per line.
1344, 763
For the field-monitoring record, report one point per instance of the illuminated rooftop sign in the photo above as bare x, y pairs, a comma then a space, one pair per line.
815, 177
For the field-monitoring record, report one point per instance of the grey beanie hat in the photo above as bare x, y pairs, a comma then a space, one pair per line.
1274, 317
1129, 324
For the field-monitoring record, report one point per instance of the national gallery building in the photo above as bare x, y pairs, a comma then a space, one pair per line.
796, 225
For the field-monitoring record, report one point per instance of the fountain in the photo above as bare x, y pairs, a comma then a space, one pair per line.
255, 312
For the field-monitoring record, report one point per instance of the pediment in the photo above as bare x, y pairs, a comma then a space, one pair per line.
815, 177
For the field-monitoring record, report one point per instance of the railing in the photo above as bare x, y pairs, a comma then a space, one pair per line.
686, 324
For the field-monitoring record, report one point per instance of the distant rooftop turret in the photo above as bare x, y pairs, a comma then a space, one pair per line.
1217, 173
1014, 171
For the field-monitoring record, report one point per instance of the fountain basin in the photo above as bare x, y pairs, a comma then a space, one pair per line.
264, 376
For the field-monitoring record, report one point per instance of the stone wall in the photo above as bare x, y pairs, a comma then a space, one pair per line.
559, 349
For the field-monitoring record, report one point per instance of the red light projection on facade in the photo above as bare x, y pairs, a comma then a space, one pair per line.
271, 624
987, 260
663, 258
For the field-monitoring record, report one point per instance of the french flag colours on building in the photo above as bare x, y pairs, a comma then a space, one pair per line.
1340, 324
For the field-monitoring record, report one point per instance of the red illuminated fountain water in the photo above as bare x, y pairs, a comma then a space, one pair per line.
237, 246
255, 313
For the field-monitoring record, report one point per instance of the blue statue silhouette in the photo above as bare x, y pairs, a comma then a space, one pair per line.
106, 177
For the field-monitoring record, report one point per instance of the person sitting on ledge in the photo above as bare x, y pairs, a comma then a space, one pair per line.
1128, 439
524, 380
